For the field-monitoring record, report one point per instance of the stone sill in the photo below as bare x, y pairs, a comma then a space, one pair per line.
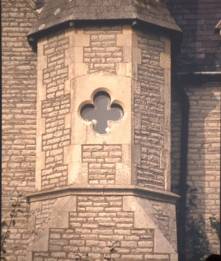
106, 190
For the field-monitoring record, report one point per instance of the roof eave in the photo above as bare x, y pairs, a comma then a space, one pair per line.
35, 35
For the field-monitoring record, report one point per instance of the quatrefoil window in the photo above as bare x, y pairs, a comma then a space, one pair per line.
101, 112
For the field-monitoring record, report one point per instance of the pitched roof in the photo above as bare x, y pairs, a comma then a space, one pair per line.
61, 11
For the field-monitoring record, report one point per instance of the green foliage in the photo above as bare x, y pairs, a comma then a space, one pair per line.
79, 257
7, 224
112, 250
106, 257
198, 244
197, 241
215, 224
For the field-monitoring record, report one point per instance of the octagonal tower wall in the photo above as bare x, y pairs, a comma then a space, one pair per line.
103, 195
133, 67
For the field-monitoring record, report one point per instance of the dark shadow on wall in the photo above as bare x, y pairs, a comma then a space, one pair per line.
200, 161
201, 46
185, 12
179, 160
213, 258
197, 53
188, 152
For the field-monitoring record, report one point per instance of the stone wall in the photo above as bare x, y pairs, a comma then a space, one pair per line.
107, 53
152, 113
197, 19
204, 157
18, 117
86, 61
176, 125
103, 53
97, 223
54, 108
203, 163
101, 161
72, 66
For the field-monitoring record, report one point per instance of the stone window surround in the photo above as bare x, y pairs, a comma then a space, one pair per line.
101, 110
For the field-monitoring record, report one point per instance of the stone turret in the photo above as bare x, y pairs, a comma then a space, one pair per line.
103, 132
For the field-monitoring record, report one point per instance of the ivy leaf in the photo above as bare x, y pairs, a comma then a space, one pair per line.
7, 234
13, 204
4, 224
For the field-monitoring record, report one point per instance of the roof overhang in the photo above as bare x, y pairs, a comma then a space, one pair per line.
63, 14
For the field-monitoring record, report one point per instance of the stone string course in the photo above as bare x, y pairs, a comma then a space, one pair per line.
103, 54
54, 109
149, 112
97, 224
101, 161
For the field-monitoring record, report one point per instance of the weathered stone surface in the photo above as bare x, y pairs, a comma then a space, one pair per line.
89, 232
149, 11
203, 170
151, 112
18, 119
53, 106
101, 162
133, 66
176, 153
204, 157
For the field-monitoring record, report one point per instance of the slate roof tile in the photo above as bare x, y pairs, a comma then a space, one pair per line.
60, 11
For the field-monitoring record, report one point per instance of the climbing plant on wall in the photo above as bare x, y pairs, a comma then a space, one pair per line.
10, 222
198, 243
